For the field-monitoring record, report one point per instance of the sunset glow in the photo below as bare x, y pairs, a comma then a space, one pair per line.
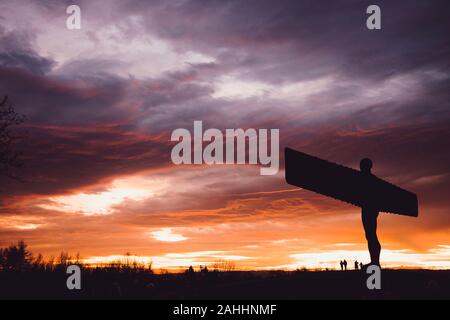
166, 234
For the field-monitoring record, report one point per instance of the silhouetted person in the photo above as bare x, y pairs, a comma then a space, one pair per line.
356, 265
361, 265
342, 264
369, 212
345, 264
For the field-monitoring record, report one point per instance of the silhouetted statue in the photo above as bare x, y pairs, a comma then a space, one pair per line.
345, 264
356, 265
369, 212
360, 188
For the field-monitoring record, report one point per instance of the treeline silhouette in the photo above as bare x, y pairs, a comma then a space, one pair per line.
17, 258
23, 275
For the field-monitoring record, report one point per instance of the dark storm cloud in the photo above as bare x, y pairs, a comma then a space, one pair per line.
59, 159
57, 101
16, 51
82, 129
291, 40
85, 128
284, 41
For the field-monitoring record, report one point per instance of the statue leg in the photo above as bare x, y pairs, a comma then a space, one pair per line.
369, 219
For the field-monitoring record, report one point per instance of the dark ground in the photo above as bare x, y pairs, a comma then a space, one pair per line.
103, 284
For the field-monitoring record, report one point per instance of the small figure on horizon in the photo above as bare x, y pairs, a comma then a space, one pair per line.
345, 264
361, 265
356, 264
342, 264
190, 270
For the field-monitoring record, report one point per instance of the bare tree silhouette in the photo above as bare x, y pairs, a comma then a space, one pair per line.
9, 119
223, 265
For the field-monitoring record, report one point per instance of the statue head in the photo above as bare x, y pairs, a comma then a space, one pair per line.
365, 165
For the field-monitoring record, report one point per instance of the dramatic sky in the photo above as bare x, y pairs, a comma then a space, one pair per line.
101, 103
